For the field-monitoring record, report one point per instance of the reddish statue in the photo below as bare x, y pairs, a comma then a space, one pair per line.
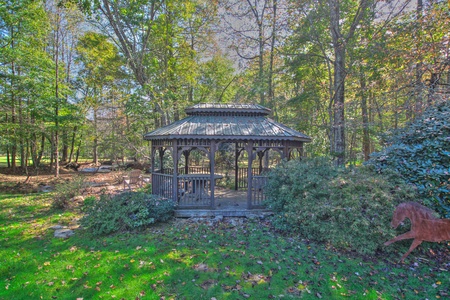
424, 225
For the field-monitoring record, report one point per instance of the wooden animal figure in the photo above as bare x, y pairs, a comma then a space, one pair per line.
425, 226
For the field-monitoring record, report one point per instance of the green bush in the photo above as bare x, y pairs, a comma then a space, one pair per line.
420, 153
68, 189
126, 211
349, 208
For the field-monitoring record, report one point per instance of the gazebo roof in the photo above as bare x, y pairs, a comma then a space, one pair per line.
227, 121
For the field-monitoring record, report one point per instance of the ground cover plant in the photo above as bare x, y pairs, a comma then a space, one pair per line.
188, 259
349, 208
125, 211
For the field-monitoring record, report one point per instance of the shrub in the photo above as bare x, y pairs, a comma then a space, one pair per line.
349, 208
66, 190
126, 211
420, 153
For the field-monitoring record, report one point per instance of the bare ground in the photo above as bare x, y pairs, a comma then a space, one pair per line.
19, 182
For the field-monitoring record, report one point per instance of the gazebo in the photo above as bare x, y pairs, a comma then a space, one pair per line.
207, 128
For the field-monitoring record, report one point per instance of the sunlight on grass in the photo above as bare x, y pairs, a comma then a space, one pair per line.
185, 260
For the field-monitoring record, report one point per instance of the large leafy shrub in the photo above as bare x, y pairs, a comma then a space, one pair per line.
126, 211
349, 208
420, 153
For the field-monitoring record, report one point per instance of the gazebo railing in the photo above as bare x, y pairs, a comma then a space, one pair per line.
162, 185
242, 176
191, 170
258, 195
194, 191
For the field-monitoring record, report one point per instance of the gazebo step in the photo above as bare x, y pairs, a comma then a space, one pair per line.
192, 213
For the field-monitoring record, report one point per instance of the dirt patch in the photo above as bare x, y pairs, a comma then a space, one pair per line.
15, 182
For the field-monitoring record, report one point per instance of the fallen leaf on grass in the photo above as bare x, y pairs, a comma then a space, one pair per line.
201, 267
207, 284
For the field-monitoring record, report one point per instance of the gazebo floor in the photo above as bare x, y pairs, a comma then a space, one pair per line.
229, 203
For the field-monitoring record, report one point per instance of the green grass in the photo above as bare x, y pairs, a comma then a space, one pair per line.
187, 260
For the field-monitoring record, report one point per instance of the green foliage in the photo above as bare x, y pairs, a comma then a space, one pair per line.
89, 201
194, 260
349, 208
66, 190
126, 211
420, 153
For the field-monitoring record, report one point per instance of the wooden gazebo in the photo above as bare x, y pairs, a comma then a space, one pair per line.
206, 127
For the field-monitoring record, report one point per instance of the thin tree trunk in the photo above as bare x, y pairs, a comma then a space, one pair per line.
95, 147
22, 129
365, 117
272, 50
72, 144
418, 72
65, 148
13, 119
52, 152
78, 150
41, 152
261, 65
8, 162
56, 140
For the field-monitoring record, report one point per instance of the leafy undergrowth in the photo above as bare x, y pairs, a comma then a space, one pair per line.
185, 259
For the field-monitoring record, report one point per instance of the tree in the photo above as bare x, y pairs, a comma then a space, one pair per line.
325, 35
99, 76
252, 28
25, 78
215, 82
63, 35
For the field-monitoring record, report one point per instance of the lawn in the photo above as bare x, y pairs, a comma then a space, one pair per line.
188, 259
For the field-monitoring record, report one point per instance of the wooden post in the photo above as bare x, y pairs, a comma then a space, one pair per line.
175, 171
236, 167
186, 154
161, 161
285, 150
152, 153
212, 154
260, 157
249, 174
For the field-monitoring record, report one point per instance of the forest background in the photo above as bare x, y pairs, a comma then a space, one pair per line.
89, 78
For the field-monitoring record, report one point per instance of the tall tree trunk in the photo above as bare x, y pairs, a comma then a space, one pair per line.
65, 149
56, 136
272, 50
13, 115
95, 147
21, 128
365, 117
72, 144
8, 162
261, 65
432, 87
52, 152
78, 150
41, 152
418, 103
339, 42
338, 129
